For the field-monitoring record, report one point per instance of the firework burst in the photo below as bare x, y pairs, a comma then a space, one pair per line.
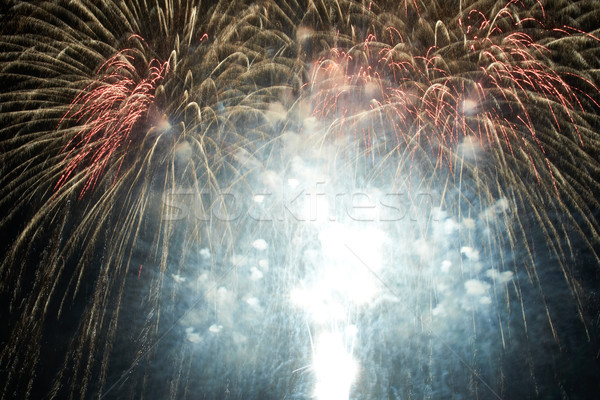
237, 200
108, 113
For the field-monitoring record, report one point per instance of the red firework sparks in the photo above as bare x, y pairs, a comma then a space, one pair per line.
424, 99
107, 111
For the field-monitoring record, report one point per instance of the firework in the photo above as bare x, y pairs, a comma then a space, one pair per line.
324, 199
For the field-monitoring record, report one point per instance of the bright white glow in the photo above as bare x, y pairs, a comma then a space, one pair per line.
469, 223
192, 336
476, 287
352, 257
260, 244
276, 112
470, 148
446, 266
470, 253
500, 277
255, 274
345, 275
319, 303
450, 226
469, 107
334, 366
205, 253
314, 208
303, 33
438, 310
264, 264
253, 302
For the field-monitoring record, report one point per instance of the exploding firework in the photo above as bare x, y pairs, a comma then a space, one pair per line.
274, 199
